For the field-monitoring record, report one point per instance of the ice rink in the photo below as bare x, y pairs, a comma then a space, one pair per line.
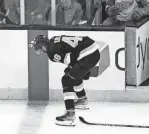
21, 117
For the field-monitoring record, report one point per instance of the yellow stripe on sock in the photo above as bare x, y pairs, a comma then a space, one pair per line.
69, 96
79, 88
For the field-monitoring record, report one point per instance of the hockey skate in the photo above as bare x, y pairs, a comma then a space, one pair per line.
81, 103
68, 119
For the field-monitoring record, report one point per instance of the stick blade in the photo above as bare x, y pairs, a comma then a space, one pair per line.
84, 121
81, 119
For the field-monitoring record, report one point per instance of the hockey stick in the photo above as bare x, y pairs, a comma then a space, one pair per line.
112, 125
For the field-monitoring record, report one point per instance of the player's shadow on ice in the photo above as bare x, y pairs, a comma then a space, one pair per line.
33, 118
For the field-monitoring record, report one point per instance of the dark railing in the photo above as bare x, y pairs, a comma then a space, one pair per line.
60, 28
75, 28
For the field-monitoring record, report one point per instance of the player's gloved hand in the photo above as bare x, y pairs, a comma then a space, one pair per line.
137, 14
67, 72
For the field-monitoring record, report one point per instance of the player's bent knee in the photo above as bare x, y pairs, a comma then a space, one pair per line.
78, 82
67, 81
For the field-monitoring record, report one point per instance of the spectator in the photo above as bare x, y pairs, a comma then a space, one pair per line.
2, 11
2, 7
38, 11
13, 11
104, 13
69, 12
5, 14
125, 10
83, 5
92, 6
90, 10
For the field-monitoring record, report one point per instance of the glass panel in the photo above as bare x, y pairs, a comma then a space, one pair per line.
64, 12
9, 11
80, 12
37, 11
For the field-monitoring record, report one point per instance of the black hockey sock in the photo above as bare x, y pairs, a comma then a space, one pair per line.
68, 91
69, 104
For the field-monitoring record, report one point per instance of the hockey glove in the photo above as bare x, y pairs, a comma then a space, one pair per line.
138, 14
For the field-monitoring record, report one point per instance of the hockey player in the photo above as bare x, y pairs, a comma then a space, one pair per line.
81, 54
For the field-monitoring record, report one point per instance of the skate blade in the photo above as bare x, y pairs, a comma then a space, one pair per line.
66, 123
81, 107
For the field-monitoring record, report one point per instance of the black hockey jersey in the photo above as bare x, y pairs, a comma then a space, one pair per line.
60, 46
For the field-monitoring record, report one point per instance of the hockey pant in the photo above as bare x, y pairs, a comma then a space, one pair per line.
78, 71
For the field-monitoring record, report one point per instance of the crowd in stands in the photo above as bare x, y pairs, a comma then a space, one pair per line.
75, 12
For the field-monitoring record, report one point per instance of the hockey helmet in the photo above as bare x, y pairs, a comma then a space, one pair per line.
40, 41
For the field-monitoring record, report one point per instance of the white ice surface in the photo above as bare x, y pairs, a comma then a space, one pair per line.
20, 117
